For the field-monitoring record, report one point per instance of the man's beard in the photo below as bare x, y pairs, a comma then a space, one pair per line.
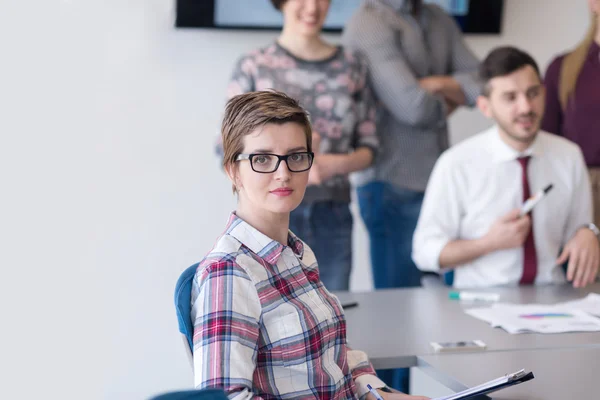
507, 128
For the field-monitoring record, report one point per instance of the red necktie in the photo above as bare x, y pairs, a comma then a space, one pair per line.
529, 255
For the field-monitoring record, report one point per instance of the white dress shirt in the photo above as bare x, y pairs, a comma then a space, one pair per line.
479, 180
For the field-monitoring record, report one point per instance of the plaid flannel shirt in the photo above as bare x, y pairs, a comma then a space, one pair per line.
265, 327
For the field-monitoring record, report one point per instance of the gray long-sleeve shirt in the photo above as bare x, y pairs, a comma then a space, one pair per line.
400, 50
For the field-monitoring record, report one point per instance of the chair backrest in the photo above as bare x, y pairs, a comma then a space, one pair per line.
183, 295
206, 394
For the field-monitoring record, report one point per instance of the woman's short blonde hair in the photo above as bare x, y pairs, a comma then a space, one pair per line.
247, 112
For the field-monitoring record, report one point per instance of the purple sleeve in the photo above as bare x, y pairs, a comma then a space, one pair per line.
552, 120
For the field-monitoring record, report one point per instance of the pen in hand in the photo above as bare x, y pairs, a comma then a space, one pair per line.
533, 200
374, 392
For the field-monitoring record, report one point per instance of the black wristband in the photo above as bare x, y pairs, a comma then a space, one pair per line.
386, 389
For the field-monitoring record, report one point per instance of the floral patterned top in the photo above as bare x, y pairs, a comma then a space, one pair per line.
335, 93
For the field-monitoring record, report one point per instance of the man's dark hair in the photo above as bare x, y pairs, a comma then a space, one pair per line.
504, 61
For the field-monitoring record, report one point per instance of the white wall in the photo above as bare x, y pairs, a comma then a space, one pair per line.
110, 187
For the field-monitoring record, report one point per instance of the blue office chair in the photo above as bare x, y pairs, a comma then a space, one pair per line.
206, 394
183, 295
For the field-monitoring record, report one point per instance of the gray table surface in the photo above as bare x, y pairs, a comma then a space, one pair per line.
395, 326
560, 374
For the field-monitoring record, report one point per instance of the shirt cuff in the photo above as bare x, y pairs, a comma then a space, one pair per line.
364, 380
427, 258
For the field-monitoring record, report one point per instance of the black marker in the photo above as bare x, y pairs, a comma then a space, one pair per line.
533, 200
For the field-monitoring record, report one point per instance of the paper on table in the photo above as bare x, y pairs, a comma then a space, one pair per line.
590, 304
538, 318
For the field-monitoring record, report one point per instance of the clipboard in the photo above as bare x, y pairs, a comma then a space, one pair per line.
492, 386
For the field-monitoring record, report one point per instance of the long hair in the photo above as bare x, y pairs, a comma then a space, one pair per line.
572, 64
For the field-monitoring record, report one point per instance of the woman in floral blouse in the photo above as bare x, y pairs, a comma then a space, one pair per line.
330, 82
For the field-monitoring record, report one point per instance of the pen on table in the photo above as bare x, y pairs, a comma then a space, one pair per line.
349, 305
533, 200
474, 296
374, 392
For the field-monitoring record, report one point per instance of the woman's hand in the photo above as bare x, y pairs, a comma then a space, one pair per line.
396, 395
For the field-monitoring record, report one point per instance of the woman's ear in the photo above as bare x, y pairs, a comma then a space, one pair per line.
232, 173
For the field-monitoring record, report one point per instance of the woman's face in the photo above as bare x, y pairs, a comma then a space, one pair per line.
280, 191
305, 17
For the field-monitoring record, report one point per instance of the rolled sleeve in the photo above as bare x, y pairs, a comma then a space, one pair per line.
440, 216
364, 380
427, 248
363, 372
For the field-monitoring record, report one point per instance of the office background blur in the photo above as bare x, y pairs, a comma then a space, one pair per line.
110, 185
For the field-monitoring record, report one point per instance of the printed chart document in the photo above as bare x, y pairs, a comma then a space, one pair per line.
538, 318
590, 304
491, 386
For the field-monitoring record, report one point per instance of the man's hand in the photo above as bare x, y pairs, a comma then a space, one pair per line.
445, 86
508, 232
433, 84
583, 253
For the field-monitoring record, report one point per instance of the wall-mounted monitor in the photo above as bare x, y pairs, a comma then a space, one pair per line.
473, 16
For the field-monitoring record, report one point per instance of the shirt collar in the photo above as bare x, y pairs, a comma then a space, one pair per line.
501, 152
263, 246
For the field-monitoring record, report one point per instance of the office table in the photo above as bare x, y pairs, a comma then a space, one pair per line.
395, 326
560, 374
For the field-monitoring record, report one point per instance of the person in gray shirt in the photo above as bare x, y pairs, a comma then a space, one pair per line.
421, 70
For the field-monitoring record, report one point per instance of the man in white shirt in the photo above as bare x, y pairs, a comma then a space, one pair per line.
470, 220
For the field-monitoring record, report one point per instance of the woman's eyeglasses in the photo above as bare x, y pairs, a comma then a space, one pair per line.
266, 163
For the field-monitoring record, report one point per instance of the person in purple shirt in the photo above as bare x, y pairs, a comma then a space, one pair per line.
573, 100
